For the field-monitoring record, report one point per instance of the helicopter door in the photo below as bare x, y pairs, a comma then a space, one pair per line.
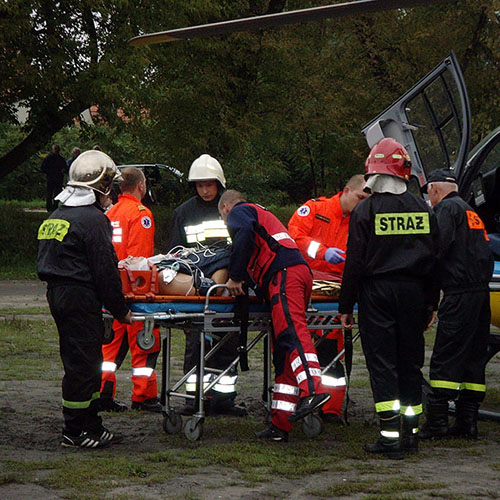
432, 120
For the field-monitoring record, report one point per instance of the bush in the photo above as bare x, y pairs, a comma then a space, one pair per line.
163, 216
18, 240
283, 213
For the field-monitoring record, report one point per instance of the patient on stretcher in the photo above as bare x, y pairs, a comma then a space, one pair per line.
183, 271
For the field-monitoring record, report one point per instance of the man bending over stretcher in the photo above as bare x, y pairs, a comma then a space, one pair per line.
267, 258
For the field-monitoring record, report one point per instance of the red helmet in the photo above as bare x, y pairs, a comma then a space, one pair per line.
388, 157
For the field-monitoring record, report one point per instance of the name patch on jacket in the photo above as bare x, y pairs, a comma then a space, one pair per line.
322, 217
402, 223
53, 229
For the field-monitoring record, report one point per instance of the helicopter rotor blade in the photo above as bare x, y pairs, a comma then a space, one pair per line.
273, 20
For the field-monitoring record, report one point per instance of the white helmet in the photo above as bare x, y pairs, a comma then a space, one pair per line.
206, 168
95, 170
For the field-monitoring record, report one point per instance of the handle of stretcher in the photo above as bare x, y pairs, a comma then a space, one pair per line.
210, 291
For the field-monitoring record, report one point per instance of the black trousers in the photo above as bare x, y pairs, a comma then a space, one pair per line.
54, 187
78, 316
219, 360
460, 355
392, 319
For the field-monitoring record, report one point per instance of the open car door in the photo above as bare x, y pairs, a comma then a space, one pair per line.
480, 181
432, 120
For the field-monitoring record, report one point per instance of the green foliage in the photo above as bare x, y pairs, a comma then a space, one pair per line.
280, 108
18, 239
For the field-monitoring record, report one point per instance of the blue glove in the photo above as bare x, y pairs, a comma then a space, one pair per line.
334, 255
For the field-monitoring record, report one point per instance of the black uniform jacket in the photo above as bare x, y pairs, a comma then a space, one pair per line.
54, 166
465, 260
392, 237
192, 212
76, 249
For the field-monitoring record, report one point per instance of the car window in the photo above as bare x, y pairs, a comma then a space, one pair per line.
492, 161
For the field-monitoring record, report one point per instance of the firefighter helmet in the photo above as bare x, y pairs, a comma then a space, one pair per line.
95, 170
206, 168
388, 157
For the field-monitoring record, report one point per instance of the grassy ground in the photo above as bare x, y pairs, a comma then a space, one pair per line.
228, 462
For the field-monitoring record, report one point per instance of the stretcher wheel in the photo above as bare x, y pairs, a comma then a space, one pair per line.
312, 425
172, 423
145, 342
193, 430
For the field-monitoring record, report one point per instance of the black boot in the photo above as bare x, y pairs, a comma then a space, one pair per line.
436, 425
410, 433
389, 443
466, 420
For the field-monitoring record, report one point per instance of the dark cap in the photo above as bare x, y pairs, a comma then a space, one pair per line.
439, 175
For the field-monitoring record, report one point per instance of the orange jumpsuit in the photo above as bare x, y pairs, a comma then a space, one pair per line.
133, 234
315, 226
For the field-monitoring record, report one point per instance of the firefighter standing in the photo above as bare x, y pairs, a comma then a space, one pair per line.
389, 265
197, 221
319, 227
133, 235
459, 357
265, 256
77, 260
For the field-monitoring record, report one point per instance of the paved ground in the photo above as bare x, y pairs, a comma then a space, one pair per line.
21, 294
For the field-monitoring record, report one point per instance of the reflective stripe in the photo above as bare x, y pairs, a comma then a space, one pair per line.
390, 434
117, 239
315, 372
310, 356
473, 387
388, 406
411, 411
192, 379
286, 389
296, 363
108, 366
224, 388
445, 384
301, 377
312, 249
207, 229
142, 372
117, 231
281, 236
329, 381
80, 405
283, 406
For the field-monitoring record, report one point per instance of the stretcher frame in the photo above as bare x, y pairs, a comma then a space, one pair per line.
220, 326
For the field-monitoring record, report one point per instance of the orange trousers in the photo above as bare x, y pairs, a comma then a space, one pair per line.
143, 362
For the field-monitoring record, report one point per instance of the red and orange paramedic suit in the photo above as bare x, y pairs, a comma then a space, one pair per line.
133, 234
316, 226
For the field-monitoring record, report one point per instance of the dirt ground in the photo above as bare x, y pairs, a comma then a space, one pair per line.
30, 422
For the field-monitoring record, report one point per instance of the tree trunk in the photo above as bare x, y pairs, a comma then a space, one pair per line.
40, 134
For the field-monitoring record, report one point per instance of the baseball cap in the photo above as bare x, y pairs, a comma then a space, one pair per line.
439, 175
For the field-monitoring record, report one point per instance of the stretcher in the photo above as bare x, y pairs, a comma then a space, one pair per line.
215, 317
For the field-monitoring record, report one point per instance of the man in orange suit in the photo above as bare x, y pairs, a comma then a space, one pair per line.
133, 235
320, 228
